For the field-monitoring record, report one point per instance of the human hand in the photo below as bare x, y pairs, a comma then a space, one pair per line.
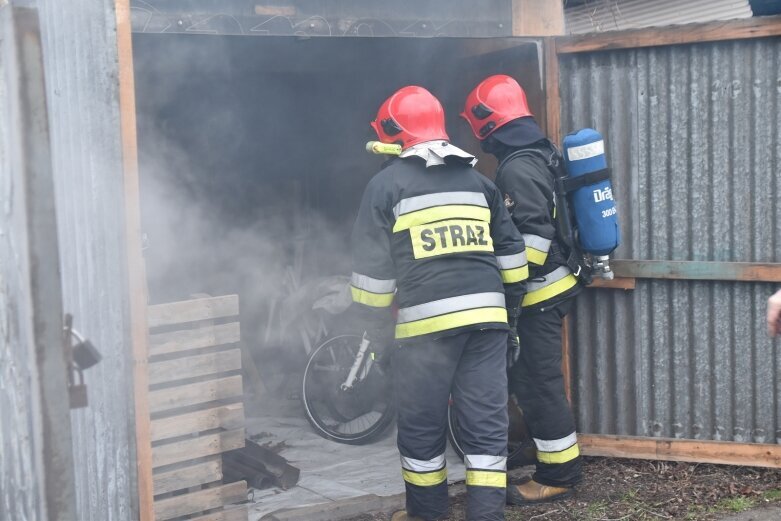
774, 314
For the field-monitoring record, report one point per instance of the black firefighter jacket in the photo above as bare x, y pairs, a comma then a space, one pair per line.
440, 239
528, 188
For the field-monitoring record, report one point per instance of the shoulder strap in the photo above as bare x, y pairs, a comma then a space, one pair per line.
563, 218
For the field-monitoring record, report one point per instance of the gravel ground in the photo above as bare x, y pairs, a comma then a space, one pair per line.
619, 489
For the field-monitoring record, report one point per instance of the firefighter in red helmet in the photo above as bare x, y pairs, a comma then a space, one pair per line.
499, 115
432, 233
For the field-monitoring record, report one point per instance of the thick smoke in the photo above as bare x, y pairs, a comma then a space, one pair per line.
252, 166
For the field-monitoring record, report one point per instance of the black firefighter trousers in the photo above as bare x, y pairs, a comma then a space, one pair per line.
471, 366
537, 382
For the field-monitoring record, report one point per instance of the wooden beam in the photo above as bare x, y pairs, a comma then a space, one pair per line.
200, 447
624, 283
762, 27
187, 339
186, 477
226, 416
538, 17
234, 514
199, 501
666, 449
195, 394
696, 270
193, 310
275, 10
136, 271
566, 358
194, 366
552, 93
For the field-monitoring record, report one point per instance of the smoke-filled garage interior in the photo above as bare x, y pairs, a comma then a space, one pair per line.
252, 165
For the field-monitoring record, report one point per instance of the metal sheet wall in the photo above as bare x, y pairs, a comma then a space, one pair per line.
20, 493
693, 137
80, 52
615, 15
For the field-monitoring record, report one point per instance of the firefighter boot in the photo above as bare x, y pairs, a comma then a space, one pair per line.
402, 515
530, 492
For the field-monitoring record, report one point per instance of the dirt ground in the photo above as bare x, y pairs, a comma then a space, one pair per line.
617, 490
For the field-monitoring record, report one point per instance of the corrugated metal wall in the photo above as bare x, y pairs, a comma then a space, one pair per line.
693, 138
614, 15
21, 496
80, 52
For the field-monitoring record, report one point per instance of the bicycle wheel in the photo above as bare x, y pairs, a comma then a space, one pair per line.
356, 416
520, 447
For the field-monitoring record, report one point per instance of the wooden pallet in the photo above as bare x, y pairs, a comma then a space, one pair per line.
197, 413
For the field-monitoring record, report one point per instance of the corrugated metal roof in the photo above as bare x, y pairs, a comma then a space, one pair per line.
693, 138
613, 15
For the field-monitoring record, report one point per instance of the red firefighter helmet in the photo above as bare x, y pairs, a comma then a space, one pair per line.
496, 101
410, 116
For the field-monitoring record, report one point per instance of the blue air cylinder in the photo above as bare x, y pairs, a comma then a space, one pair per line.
593, 205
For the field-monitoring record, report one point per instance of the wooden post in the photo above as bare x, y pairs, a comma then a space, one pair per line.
136, 271
538, 17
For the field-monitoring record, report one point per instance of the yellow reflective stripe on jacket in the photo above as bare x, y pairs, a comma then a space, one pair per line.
440, 213
376, 300
536, 248
554, 283
424, 479
371, 284
553, 458
436, 308
486, 478
451, 321
515, 275
536, 256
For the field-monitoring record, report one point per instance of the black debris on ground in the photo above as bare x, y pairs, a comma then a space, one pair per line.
639, 490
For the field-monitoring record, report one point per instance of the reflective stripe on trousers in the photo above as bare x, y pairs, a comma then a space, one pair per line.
424, 473
557, 451
486, 471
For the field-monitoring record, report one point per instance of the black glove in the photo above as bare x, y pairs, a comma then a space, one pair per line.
513, 348
513, 343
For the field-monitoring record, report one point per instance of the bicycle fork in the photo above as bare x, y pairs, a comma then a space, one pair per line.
348, 383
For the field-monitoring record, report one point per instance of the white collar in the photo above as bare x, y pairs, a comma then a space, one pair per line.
435, 152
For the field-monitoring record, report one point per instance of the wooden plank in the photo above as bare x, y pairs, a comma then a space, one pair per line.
199, 474
537, 17
194, 394
193, 366
672, 35
200, 447
696, 270
193, 310
625, 283
553, 96
566, 358
226, 416
136, 271
234, 514
199, 501
187, 339
718, 452
275, 10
